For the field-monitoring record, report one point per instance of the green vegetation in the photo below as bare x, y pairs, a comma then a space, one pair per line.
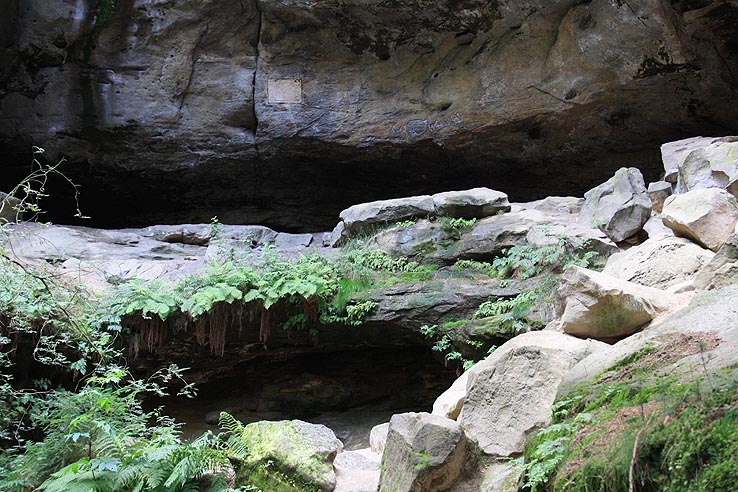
454, 228
639, 429
105, 10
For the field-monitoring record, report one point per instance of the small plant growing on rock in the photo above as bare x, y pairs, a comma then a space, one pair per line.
455, 227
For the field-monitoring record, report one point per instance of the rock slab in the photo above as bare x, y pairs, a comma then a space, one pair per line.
476, 203
722, 270
707, 163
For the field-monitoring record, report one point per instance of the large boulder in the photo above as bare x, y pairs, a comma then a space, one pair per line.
365, 217
424, 453
619, 207
594, 305
672, 153
476, 203
722, 270
449, 403
660, 262
305, 450
707, 163
706, 216
509, 394
688, 337
8, 208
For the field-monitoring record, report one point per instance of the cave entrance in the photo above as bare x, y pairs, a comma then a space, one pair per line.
348, 391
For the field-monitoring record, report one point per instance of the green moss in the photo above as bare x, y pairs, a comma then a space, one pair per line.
282, 447
265, 476
424, 249
685, 435
420, 460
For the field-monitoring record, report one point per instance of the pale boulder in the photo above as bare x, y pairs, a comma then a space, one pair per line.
655, 227
510, 393
722, 271
618, 207
712, 164
450, 402
706, 216
660, 262
424, 453
590, 304
378, 437
357, 471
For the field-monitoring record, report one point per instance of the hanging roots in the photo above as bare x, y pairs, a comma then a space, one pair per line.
211, 328
153, 332
310, 308
265, 325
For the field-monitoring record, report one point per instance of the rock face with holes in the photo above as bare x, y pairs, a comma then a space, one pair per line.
286, 112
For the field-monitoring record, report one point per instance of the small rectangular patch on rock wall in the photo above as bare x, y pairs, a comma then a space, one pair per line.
284, 91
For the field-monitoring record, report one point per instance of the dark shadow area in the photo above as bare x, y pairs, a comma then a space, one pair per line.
348, 391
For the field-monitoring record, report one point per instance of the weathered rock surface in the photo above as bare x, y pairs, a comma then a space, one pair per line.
409, 305
660, 262
8, 212
314, 106
501, 477
722, 270
537, 223
362, 218
357, 471
476, 203
509, 394
424, 453
594, 305
378, 437
655, 227
619, 207
706, 216
307, 450
449, 403
708, 319
657, 193
704, 163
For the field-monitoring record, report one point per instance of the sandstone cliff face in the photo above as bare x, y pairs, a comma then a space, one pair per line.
284, 112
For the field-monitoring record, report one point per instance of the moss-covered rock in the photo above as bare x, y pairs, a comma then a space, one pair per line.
302, 454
